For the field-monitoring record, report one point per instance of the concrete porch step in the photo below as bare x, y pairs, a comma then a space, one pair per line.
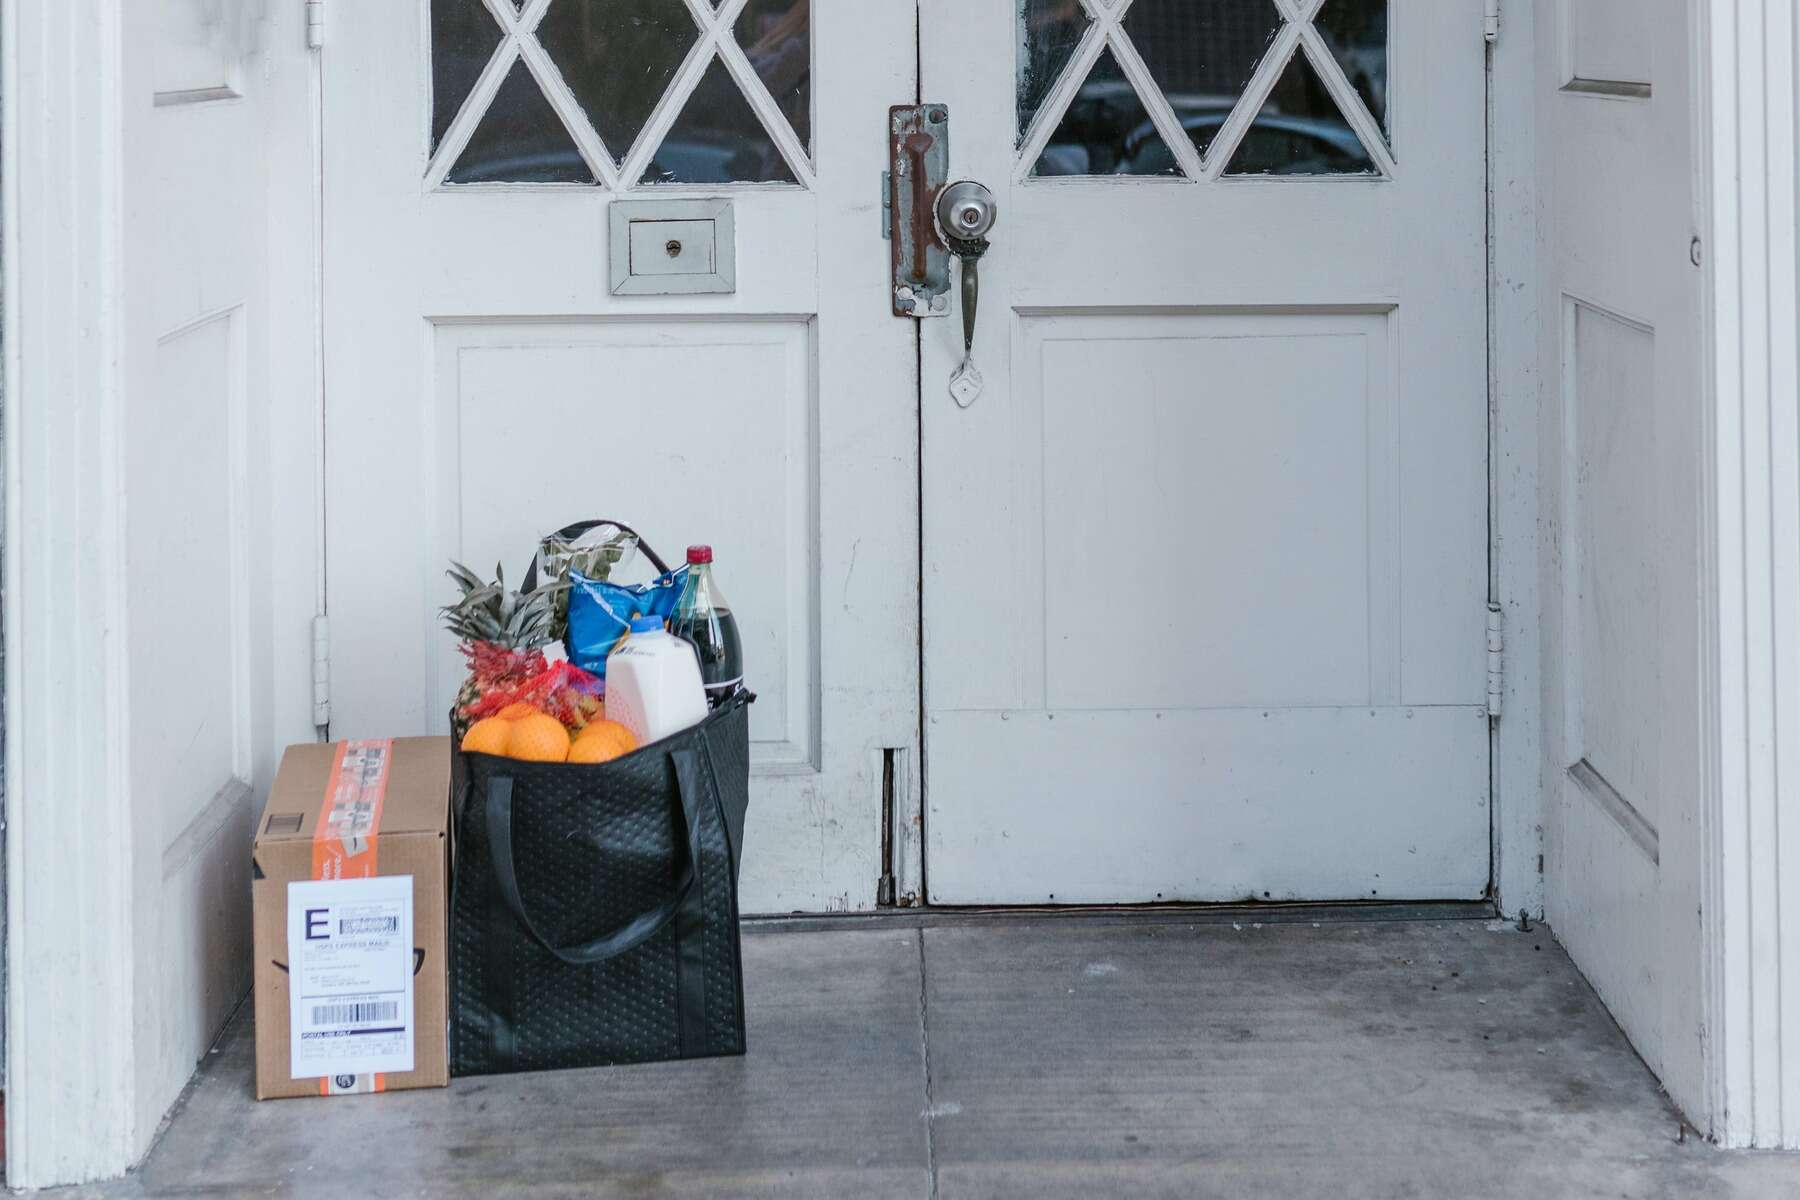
1037, 1057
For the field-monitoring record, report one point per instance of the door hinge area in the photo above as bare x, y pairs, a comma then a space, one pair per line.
1490, 20
315, 24
321, 670
1496, 660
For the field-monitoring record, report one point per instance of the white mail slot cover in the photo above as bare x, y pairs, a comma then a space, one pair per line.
672, 247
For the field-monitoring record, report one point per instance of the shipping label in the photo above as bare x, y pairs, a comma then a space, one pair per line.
350, 980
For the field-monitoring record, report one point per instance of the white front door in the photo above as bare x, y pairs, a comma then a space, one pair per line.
486, 385
1203, 567
1205, 563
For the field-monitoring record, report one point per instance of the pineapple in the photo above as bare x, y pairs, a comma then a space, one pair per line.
501, 630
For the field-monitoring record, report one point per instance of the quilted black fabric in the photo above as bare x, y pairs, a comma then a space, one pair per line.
595, 845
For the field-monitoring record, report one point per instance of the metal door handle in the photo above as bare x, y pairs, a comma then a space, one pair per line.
965, 214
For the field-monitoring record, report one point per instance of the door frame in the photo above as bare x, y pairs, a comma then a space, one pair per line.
1516, 742
83, 1101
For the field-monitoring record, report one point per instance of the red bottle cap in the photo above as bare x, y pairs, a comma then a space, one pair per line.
699, 554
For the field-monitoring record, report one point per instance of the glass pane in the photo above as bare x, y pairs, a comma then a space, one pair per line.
1357, 32
1202, 55
520, 140
717, 139
1300, 131
1049, 31
776, 36
463, 37
618, 57
1106, 131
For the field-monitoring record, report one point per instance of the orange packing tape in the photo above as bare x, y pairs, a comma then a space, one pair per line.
346, 839
348, 833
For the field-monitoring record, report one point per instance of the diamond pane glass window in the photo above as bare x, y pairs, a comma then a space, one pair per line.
776, 36
1357, 32
717, 139
520, 140
1300, 131
617, 56
463, 38
1253, 90
595, 92
1049, 31
1106, 131
1202, 55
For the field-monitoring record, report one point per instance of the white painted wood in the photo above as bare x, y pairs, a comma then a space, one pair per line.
1607, 46
143, 528
1230, 459
1751, 572
1373, 784
485, 386
69, 894
1619, 366
1513, 386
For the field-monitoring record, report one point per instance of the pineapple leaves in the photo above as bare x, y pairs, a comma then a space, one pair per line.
491, 612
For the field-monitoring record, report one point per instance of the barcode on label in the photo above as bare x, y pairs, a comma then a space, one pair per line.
353, 926
350, 1014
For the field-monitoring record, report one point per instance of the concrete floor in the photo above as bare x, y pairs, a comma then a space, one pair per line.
1137, 1056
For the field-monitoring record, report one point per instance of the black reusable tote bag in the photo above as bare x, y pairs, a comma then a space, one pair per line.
594, 905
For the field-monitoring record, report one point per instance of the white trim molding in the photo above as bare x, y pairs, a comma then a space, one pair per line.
1751, 548
69, 872
1514, 199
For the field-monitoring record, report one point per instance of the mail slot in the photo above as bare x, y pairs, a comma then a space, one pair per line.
671, 247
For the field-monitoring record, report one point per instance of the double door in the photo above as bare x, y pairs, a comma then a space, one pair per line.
1186, 603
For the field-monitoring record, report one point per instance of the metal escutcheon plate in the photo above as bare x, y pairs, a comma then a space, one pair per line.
965, 384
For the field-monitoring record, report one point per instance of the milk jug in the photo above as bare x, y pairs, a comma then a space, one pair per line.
653, 683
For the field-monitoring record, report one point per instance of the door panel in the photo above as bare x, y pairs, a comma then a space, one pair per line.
1620, 319
485, 385
500, 385
196, 94
1205, 563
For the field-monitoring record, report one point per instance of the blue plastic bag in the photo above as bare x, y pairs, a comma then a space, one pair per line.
599, 612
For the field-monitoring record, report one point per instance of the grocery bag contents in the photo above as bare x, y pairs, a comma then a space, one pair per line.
703, 619
600, 613
592, 549
522, 732
521, 699
653, 684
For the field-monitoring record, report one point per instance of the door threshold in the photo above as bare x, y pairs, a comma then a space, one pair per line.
1274, 913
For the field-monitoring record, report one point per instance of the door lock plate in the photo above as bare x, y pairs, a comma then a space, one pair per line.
918, 165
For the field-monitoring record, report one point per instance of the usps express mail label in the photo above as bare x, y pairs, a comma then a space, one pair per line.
350, 980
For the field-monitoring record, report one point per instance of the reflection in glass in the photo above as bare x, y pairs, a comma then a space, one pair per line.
617, 56
776, 36
1357, 32
717, 139
1106, 131
1300, 131
520, 140
1049, 31
463, 37
1202, 55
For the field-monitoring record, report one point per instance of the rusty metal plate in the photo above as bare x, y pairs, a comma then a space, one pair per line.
918, 165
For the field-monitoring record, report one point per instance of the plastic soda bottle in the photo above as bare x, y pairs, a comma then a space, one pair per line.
703, 618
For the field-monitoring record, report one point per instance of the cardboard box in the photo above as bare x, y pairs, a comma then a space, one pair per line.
349, 811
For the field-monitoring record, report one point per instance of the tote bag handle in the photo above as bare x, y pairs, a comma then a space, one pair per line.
640, 928
575, 530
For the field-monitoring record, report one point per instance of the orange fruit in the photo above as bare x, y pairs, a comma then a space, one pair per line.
488, 736
517, 711
602, 741
538, 738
